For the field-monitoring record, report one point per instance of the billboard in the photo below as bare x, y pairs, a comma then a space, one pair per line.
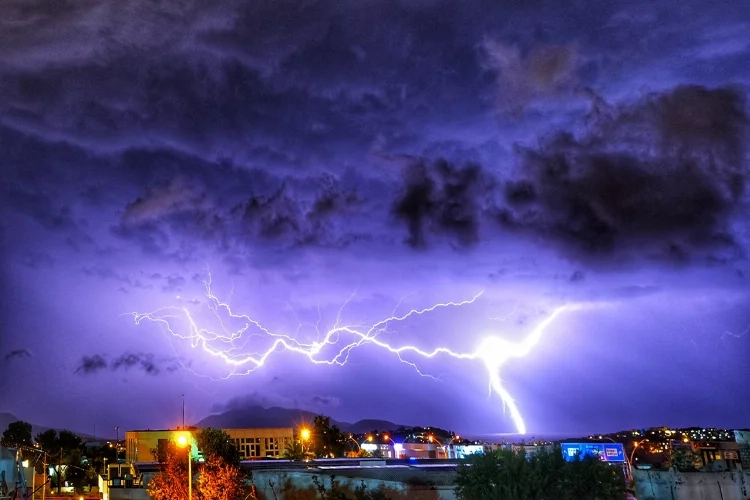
608, 452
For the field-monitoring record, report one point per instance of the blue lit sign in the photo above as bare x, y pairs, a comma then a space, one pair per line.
608, 452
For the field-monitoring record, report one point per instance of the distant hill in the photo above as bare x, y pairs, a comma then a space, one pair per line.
257, 416
8, 418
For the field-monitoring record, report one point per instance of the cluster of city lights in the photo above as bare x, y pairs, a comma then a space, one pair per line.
230, 345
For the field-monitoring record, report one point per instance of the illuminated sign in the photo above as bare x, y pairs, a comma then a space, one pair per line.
607, 452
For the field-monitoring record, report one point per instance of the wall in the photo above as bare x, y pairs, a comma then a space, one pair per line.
297, 485
128, 494
672, 485
261, 443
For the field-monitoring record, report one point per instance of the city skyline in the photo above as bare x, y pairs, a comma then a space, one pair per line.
503, 218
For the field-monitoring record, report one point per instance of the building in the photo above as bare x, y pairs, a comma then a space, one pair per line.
417, 448
151, 445
719, 455
742, 438
461, 451
254, 444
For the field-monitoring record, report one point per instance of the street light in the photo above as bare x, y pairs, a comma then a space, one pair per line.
632, 453
433, 438
182, 442
351, 438
447, 452
397, 447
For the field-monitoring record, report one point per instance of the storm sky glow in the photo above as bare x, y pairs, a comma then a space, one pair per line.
334, 164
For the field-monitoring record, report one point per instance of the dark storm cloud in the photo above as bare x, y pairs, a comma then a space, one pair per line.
441, 198
91, 364
660, 178
139, 360
275, 399
189, 201
17, 354
146, 362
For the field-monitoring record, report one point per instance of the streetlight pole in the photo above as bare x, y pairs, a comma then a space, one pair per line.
629, 460
117, 450
433, 438
351, 438
632, 454
44, 476
183, 442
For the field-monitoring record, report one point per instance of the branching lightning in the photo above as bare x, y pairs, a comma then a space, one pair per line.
231, 345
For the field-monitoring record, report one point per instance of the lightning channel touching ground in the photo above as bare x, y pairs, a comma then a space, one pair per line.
232, 345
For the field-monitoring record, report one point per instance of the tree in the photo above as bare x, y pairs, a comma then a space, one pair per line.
220, 480
361, 492
334, 492
63, 449
17, 434
685, 459
215, 443
507, 475
74, 473
327, 441
171, 483
217, 479
294, 450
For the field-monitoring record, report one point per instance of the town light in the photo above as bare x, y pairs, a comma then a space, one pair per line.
305, 434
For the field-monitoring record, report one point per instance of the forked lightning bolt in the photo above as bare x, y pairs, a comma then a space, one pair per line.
231, 345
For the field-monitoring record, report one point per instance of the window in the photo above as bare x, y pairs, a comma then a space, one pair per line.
272, 447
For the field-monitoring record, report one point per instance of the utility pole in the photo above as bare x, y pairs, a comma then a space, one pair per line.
59, 473
44, 477
183, 412
117, 449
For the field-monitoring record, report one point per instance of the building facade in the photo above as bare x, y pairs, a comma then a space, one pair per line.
254, 444
152, 445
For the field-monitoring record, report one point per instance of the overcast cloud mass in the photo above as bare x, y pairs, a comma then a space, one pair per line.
382, 155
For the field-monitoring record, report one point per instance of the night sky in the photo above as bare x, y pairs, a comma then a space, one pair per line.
329, 163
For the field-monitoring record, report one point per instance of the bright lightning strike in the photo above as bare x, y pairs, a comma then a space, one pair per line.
231, 345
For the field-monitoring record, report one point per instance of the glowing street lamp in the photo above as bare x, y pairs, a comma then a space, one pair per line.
304, 434
632, 453
397, 447
433, 438
351, 438
183, 442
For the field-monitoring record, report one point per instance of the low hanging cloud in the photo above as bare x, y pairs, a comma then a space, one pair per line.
146, 362
659, 178
17, 354
91, 364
